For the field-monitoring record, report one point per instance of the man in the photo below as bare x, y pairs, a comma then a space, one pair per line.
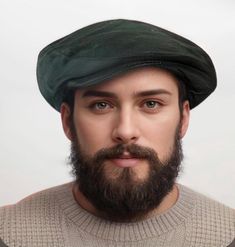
124, 90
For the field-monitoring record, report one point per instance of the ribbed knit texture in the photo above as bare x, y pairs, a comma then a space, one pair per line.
52, 218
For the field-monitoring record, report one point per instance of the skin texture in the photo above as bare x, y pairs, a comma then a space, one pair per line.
131, 115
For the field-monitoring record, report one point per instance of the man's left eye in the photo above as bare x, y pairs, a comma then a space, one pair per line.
151, 104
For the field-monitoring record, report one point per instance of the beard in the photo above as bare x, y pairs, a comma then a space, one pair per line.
117, 193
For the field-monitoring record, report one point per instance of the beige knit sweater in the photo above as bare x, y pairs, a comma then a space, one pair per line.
52, 218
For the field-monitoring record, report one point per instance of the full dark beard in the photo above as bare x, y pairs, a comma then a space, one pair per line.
119, 195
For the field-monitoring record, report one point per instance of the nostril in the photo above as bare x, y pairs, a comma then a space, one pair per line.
125, 132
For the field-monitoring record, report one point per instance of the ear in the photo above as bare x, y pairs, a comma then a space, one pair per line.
65, 119
185, 119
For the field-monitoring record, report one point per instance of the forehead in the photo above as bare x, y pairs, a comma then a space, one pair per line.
141, 79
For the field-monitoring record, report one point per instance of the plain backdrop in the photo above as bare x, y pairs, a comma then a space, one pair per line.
33, 148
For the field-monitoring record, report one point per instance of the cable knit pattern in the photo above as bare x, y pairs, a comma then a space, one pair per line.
52, 218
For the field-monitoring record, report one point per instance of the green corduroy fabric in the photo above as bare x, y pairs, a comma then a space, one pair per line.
101, 51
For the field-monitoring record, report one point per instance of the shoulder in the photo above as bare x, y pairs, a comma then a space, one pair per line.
35, 215
211, 223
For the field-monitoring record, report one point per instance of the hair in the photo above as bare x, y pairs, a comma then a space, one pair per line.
182, 91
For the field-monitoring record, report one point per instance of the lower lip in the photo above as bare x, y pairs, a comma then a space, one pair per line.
126, 162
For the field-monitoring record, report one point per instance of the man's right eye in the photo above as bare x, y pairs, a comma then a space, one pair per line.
100, 106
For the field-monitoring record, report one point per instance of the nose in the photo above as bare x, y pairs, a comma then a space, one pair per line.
125, 130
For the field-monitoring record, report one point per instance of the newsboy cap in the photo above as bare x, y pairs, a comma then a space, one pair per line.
101, 51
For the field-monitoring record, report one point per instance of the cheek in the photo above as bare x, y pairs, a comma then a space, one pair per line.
160, 134
92, 134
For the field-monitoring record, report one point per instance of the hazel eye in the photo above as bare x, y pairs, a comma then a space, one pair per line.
151, 104
101, 105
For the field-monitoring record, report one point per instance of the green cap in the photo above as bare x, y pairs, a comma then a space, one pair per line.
101, 51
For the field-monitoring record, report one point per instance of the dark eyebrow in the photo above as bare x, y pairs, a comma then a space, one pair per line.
152, 92
94, 93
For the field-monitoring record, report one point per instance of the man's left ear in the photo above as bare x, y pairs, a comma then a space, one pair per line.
185, 118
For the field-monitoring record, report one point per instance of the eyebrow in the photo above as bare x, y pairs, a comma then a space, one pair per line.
95, 93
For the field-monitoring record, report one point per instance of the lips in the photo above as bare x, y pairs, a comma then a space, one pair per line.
126, 160
126, 157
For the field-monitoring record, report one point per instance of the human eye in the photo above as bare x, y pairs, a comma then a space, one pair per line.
151, 105
100, 106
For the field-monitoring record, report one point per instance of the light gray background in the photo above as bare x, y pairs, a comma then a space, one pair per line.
33, 149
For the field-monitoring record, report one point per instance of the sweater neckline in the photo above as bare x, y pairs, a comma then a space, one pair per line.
132, 231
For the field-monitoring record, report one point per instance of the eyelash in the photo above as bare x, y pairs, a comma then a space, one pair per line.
151, 109
93, 105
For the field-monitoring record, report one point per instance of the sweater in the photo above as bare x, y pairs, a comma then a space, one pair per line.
52, 218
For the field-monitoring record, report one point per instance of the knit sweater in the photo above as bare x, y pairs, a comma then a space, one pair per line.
52, 218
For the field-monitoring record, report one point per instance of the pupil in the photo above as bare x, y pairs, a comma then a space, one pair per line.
102, 105
151, 104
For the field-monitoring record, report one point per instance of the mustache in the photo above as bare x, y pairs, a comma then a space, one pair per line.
134, 150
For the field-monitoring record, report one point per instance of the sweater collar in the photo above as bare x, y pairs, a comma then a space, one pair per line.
133, 231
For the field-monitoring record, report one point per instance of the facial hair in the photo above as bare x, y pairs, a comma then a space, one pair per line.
119, 195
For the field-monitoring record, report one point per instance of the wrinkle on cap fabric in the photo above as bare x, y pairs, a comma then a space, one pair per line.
101, 51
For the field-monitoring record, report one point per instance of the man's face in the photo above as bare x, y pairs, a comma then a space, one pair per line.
125, 131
